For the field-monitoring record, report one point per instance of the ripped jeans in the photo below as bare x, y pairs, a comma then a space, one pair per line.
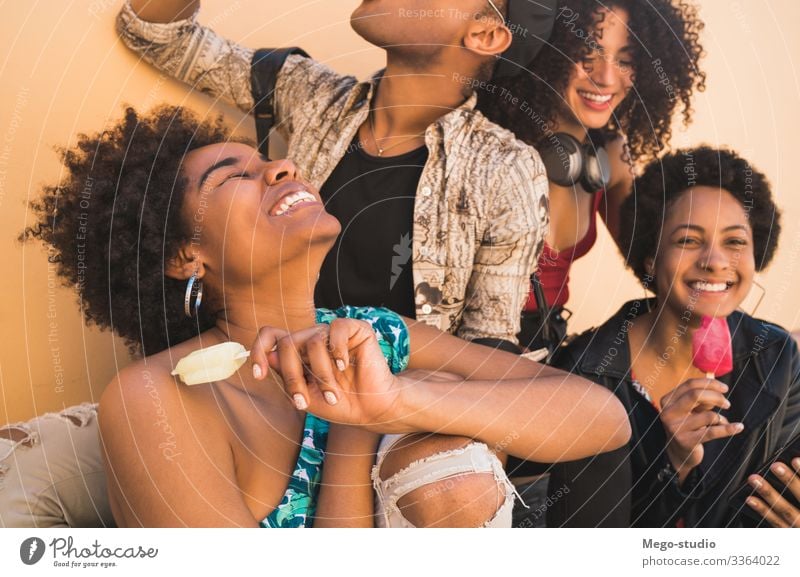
51, 472
52, 475
474, 458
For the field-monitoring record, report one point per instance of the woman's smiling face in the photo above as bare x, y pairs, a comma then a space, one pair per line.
252, 214
604, 77
705, 262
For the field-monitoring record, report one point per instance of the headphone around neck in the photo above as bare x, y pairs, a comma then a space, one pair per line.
569, 162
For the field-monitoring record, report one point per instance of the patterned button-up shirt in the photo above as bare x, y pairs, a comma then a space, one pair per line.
481, 208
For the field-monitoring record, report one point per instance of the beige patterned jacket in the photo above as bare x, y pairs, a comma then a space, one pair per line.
481, 209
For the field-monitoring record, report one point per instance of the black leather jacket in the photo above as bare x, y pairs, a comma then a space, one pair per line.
764, 395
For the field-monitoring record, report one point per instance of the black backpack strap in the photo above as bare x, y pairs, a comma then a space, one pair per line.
542, 307
264, 69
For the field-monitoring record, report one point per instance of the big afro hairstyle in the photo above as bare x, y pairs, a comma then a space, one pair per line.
664, 181
665, 41
115, 219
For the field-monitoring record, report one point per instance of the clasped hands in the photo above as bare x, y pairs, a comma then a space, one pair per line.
337, 372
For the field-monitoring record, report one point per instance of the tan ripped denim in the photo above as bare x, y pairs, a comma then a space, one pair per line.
51, 472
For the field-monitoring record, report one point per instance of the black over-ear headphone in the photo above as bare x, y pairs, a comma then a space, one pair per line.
569, 162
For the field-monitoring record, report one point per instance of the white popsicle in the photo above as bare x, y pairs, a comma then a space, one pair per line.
211, 363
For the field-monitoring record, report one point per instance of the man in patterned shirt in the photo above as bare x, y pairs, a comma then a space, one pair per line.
404, 161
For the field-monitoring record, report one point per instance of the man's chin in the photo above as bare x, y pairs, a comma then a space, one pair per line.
365, 30
372, 24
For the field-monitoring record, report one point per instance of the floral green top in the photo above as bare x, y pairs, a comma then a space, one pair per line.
299, 502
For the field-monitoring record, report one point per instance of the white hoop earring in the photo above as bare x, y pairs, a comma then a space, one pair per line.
760, 287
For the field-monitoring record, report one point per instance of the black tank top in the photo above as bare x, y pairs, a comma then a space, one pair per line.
373, 198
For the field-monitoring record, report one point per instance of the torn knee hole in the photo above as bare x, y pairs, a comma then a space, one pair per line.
75, 420
18, 435
419, 448
80, 415
459, 488
466, 500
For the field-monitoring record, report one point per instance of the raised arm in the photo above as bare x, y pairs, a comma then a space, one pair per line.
164, 467
166, 35
164, 11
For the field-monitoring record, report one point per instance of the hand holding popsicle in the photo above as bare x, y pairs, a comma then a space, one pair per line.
690, 417
690, 413
319, 366
218, 362
297, 357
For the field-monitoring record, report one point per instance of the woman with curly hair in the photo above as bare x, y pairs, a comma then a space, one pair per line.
179, 238
700, 224
597, 100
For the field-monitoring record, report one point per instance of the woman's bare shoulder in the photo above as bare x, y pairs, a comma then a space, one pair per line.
168, 451
146, 392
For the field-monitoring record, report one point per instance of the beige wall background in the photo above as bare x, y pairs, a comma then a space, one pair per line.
63, 71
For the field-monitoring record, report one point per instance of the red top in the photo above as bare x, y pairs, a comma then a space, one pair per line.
554, 265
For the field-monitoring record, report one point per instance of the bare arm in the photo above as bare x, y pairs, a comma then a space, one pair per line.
164, 11
530, 411
534, 411
163, 469
468, 360
346, 497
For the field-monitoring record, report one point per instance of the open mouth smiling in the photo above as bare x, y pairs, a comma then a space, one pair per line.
595, 96
289, 202
700, 286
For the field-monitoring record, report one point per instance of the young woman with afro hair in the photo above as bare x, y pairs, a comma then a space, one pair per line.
700, 224
160, 205
609, 81
596, 101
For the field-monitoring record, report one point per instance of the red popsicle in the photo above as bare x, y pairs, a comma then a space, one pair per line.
711, 347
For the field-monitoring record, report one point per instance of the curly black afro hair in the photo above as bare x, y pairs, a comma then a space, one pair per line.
665, 38
114, 220
664, 181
